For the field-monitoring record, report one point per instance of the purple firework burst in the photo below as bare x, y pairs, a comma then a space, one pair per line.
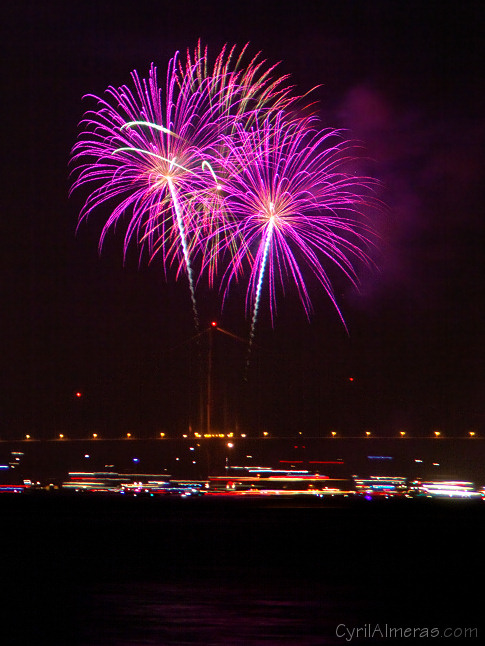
294, 208
145, 150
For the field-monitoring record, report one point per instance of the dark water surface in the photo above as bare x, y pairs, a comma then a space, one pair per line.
214, 614
97, 571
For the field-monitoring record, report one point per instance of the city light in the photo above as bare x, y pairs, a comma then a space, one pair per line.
266, 434
213, 455
449, 489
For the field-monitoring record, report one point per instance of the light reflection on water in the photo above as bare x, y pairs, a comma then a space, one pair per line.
211, 614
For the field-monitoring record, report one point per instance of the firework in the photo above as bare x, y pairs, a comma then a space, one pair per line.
145, 151
218, 170
295, 208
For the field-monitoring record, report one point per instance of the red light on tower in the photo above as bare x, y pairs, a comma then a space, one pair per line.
214, 323
351, 379
79, 395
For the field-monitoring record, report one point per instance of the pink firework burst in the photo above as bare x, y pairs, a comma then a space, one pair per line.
145, 150
295, 208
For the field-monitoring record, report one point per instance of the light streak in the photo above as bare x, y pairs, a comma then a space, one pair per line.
188, 266
269, 235
206, 164
149, 124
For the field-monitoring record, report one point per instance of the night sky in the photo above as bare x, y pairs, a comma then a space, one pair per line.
405, 78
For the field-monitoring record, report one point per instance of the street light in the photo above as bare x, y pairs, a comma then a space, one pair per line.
229, 445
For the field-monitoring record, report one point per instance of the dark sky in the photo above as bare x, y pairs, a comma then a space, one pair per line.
406, 79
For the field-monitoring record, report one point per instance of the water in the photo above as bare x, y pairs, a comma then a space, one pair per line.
107, 572
211, 614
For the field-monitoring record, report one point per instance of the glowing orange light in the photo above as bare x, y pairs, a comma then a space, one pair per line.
95, 435
437, 433
471, 433
367, 433
403, 433
334, 433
